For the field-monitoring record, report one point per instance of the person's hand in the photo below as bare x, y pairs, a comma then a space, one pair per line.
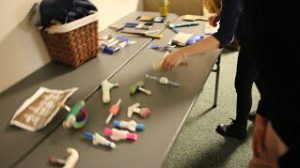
213, 20
172, 60
259, 135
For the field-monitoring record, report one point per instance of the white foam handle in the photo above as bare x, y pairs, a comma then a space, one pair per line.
72, 158
105, 91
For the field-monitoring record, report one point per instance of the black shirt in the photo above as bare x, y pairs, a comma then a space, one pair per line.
275, 49
231, 22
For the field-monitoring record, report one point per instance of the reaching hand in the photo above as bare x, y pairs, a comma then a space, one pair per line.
213, 20
172, 60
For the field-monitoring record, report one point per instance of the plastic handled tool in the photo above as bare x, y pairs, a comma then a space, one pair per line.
151, 19
174, 26
130, 125
113, 111
115, 44
70, 162
118, 135
106, 87
184, 24
77, 116
162, 48
144, 33
162, 80
144, 26
138, 86
135, 108
98, 139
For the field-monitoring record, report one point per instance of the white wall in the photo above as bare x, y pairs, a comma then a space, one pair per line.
180, 7
21, 47
112, 10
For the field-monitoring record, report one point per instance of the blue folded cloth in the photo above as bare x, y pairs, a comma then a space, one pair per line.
64, 11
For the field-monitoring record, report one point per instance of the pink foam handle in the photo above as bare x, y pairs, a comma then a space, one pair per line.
145, 112
115, 109
132, 136
108, 131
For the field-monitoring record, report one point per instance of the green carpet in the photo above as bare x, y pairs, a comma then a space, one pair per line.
198, 145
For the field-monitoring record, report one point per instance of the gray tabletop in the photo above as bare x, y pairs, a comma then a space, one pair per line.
16, 143
170, 107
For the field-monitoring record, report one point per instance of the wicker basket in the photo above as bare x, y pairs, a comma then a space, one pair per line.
73, 43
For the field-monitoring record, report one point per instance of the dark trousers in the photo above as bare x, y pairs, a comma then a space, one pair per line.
245, 76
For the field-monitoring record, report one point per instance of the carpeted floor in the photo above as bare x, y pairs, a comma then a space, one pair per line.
198, 145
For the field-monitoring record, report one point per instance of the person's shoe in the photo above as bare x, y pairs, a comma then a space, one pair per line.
234, 129
251, 116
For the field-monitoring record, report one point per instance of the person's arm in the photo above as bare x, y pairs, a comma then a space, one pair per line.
228, 23
229, 18
206, 45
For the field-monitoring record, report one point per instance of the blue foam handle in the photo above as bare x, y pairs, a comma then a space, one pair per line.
140, 127
88, 135
116, 123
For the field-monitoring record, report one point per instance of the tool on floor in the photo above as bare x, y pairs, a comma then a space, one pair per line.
162, 80
106, 87
130, 125
117, 135
138, 86
144, 33
135, 108
113, 111
70, 162
98, 139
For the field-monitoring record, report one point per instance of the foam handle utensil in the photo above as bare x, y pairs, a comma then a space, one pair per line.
143, 112
77, 116
106, 87
98, 139
70, 162
72, 117
138, 86
130, 125
163, 80
117, 135
113, 111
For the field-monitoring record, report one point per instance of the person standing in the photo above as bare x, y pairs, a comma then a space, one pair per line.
232, 23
